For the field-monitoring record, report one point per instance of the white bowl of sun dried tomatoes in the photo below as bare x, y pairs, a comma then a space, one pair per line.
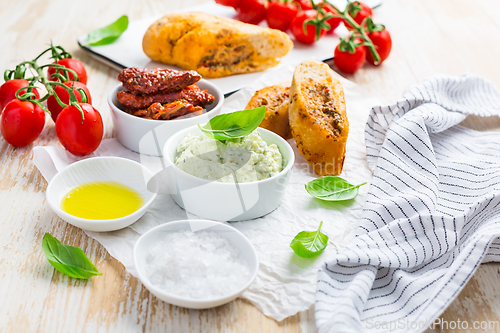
150, 105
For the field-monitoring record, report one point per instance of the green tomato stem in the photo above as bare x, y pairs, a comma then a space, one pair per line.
359, 28
83, 94
58, 53
41, 54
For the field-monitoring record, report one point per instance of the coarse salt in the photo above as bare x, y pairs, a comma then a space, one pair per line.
198, 265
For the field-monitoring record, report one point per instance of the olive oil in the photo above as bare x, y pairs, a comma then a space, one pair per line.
101, 201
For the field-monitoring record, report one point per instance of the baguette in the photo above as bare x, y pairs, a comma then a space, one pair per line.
275, 99
318, 118
214, 46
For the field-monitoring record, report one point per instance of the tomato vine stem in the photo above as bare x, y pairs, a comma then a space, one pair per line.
57, 53
359, 29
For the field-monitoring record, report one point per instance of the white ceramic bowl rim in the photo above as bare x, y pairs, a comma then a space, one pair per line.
155, 289
290, 164
119, 86
65, 215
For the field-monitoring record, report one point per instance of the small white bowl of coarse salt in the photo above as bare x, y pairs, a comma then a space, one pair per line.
195, 264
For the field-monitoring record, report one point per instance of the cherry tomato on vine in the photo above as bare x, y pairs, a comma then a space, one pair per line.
229, 3
63, 95
304, 4
309, 36
383, 44
349, 62
79, 137
70, 63
334, 22
21, 122
252, 11
9, 88
358, 11
280, 14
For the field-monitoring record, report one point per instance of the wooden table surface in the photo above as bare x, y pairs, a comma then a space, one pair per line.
429, 37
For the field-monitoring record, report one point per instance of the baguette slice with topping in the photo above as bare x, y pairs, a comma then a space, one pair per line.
276, 100
318, 118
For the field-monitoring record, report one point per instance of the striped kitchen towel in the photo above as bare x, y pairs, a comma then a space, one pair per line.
431, 216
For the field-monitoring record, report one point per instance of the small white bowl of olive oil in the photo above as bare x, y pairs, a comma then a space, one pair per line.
101, 193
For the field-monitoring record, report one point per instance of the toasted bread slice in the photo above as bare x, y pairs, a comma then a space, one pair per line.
318, 118
214, 46
275, 99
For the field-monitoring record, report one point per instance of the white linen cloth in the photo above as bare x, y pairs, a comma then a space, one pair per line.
431, 216
286, 283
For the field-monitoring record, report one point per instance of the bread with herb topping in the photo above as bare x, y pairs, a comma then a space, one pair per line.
214, 46
318, 118
275, 99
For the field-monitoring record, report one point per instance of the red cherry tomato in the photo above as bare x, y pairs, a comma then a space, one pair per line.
334, 22
9, 88
80, 138
63, 95
229, 3
280, 14
349, 62
383, 43
70, 63
304, 4
297, 24
358, 15
21, 122
252, 11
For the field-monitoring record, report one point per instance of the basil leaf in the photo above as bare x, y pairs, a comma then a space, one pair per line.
67, 259
108, 34
330, 188
234, 125
308, 244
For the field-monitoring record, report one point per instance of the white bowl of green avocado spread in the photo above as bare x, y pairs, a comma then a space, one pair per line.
232, 180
